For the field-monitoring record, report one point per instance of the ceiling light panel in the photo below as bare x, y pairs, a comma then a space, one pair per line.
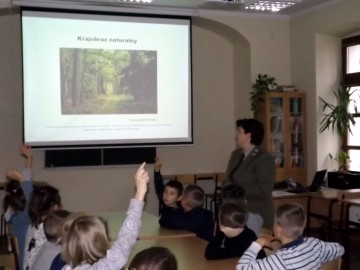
271, 5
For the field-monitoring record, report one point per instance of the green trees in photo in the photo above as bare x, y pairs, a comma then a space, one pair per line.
97, 81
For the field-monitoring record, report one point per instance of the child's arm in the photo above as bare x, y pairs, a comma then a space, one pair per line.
330, 251
119, 252
158, 180
248, 259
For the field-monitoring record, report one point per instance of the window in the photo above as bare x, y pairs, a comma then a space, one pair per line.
351, 77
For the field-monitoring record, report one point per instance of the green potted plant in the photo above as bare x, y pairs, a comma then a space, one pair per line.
263, 84
343, 160
337, 116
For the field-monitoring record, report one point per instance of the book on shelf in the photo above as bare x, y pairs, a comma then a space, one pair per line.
276, 124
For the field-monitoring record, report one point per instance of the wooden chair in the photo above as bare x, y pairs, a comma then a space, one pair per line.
208, 182
9, 248
332, 265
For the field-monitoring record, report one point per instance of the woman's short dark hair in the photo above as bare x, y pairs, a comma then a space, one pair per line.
154, 258
253, 126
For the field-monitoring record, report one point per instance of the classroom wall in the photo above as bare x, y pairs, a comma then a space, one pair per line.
315, 45
224, 66
228, 53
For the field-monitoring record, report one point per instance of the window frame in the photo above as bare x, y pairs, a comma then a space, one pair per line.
352, 79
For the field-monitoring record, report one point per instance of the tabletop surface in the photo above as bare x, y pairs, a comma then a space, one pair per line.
189, 252
150, 227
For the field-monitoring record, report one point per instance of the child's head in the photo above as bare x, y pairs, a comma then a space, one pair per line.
233, 194
173, 190
86, 241
14, 196
154, 258
290, 221
52, 224
232, 215
193, 196
43, 200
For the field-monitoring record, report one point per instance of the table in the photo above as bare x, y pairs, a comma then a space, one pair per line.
189, 252
347, 203
150, 228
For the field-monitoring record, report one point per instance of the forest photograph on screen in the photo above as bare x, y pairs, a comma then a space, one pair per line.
105, 81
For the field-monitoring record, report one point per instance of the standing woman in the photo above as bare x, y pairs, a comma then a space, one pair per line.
253, 169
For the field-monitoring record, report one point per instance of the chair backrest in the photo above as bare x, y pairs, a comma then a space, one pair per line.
332, 265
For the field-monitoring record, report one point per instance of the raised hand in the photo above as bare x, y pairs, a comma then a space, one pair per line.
26, 151
14, 175
157, 164
141, 180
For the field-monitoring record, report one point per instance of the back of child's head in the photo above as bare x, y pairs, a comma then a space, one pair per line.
14, 196
193, 196
85, 241
175, 184
291, 218
154, 258
232, 215
52, 224
43, 200
234, 194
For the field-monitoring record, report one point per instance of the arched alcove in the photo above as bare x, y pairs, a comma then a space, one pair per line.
241, 77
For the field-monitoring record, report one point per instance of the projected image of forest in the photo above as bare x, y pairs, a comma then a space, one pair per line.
97, 81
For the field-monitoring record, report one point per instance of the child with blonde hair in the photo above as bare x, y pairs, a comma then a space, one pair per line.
297, 252
86, 245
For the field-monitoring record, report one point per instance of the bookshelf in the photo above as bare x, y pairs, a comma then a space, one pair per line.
283, 116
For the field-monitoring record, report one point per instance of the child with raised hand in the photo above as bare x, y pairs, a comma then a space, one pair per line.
18, 190
297, 252
86, 245
43, 200
169, 194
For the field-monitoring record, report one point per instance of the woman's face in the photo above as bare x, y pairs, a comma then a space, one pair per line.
242, 139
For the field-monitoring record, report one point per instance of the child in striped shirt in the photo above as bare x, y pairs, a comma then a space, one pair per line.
297, 252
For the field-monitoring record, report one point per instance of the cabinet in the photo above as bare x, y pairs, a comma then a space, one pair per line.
283, 116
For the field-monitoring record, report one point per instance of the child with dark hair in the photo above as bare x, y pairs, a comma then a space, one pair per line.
154, 258
51, 248
235, 194
234, 236
169, 195
43, 200
193, 218
15, 204
297, 252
